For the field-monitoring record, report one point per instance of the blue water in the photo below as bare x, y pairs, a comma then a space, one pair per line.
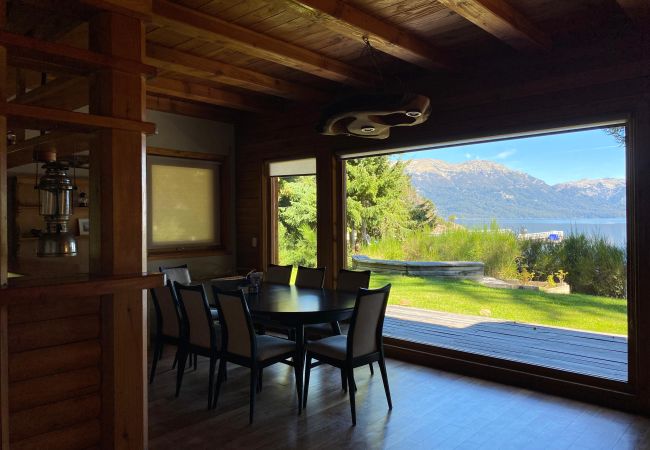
614, 229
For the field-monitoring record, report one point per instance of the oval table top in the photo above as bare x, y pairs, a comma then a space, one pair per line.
291, 303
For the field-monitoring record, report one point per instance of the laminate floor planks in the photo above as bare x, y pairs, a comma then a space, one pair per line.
432, 409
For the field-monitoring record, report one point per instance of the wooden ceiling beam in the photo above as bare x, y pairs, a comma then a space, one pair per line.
63, 93
193, 109
67, 144
195, 66
67, 58
500, 19
345, 19
210, 28
140, 9
637, 10
207, 94
38, 117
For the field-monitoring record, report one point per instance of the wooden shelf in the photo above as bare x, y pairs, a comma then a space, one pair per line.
33, 238
21, 290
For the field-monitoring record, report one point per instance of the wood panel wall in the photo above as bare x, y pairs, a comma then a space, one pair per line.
54, 360
516, 107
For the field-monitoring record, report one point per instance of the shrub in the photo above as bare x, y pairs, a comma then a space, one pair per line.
590, 264
497, 249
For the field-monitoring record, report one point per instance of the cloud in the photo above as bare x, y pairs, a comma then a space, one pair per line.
468, 155
505, 154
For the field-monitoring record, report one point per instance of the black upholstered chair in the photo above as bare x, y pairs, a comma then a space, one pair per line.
278, 274
308, 277
203, 334
352, 280
180, 274
362, 345
242, 346
169, 324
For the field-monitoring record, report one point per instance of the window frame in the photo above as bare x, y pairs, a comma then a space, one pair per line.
492, 367
221, 165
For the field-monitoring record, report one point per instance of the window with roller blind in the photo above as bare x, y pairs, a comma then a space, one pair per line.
184, 207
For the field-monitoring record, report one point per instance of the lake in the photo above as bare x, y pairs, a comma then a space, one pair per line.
613, 229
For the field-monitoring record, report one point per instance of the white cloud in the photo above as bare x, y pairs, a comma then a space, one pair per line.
505, 154
468, 155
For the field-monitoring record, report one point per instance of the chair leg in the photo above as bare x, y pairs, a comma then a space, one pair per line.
307, 374
336, 328
253, 388
259, 380
220, 376
175, 359
344, 381
351, 390
195, 360
213, 363
384, 377
372, 370
154, 362
299, 388
181, 370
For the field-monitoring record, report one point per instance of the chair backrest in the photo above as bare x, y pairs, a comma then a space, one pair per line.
180, 274
367, 323
168, 316
237, 332
310, 278
352, 280
196, 310
278, 274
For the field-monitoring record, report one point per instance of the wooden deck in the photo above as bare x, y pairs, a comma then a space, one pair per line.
588, 353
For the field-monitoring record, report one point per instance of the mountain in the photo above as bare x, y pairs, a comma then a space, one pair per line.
485, 189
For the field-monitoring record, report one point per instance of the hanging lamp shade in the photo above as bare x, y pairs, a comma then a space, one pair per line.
372, 115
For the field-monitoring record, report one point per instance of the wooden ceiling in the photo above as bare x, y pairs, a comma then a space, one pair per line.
264, 56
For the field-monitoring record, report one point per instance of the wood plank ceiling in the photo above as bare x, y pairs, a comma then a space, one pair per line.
264, 56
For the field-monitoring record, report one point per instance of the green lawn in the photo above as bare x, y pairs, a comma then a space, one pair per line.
579, 311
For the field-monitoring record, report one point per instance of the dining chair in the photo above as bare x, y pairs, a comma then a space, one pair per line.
352, 280
243, 347
278, 274
169, 324
203, 334
177, 273
308, 277
362, 345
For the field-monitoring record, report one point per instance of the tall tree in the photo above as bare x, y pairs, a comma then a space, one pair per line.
378, 201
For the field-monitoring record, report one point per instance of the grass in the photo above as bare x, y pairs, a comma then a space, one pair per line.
578, 311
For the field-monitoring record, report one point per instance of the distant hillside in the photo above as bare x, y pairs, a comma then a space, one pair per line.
484, 189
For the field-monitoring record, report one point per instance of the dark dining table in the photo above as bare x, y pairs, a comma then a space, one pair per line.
296, 307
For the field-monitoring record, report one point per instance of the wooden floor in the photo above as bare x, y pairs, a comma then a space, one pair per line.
601, 355
432, 409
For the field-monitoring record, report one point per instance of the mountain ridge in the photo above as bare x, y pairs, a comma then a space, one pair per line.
480, 189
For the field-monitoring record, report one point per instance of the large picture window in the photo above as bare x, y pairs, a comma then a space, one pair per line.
184, 203
514, 249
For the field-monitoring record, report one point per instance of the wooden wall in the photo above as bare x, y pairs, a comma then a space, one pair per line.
55, 374
572, 97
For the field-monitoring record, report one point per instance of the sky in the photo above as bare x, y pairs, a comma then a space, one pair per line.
556, 158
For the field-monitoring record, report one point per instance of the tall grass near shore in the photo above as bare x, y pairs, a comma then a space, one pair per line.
496, 248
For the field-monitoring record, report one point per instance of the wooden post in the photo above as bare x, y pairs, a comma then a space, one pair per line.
4, 250
327, 201
117, 237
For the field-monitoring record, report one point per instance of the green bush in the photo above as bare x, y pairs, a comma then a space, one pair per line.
497, 249
594, 265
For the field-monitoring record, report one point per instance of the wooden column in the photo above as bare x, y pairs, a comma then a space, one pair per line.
4, 250
117, 236
328, 201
